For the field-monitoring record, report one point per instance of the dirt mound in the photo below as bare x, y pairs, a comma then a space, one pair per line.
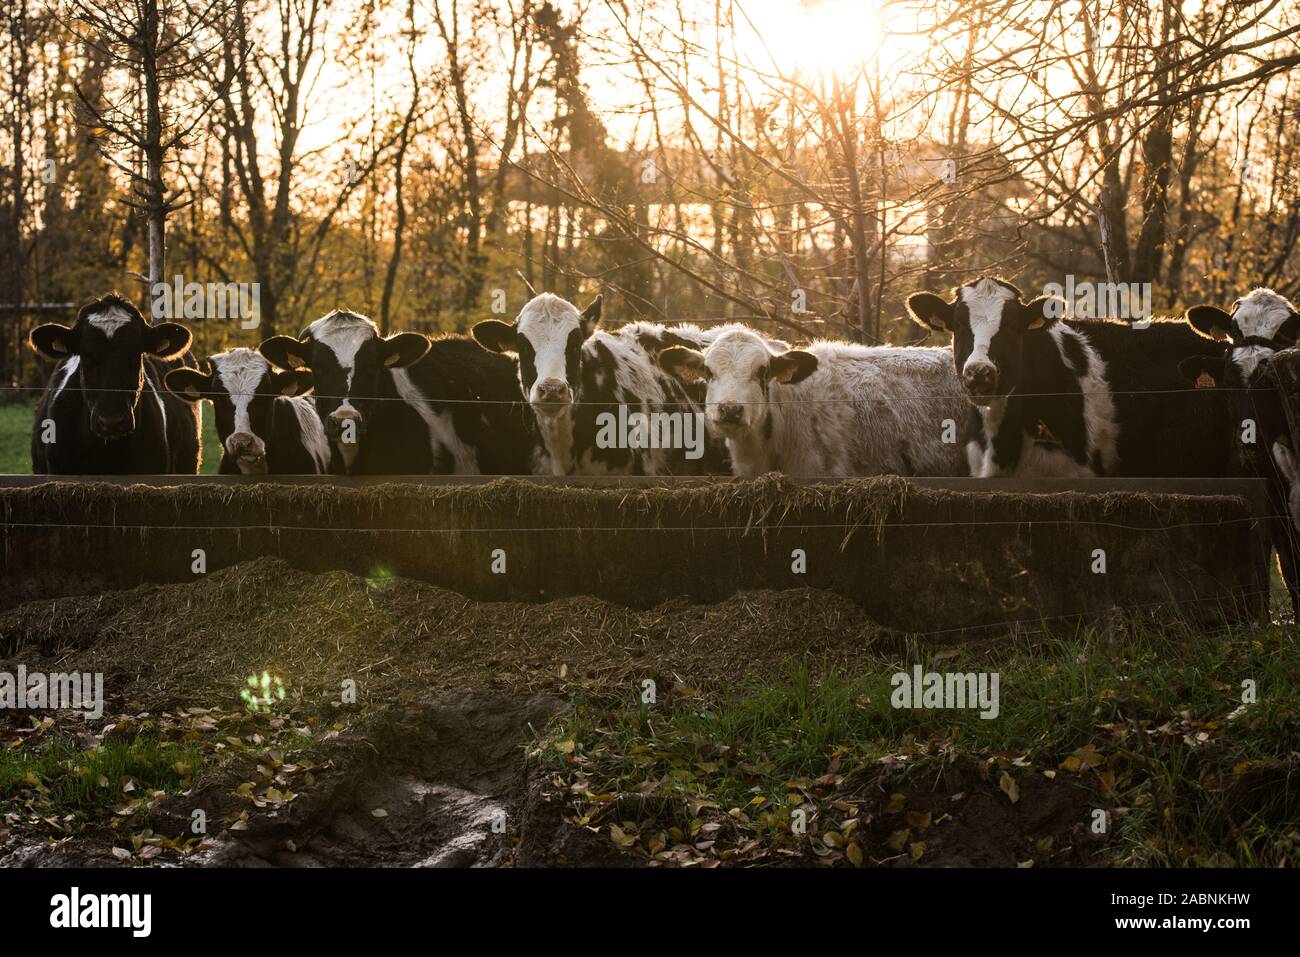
400, 639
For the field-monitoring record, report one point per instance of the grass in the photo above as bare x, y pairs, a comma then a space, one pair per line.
1153, 725
16, 436
70, 777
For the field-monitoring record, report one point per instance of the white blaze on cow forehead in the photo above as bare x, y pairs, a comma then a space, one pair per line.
344, 333
547, 322
110, 320
737, 353
548, 312
984, 300
1262, 313
240, 372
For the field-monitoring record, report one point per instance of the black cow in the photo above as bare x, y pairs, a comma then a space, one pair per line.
1078, 397
105, 410
406, 405
266, 424
1257, 332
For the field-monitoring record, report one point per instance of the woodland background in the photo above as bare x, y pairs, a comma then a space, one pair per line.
799, 164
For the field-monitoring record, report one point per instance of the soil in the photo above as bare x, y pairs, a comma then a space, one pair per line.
429, 768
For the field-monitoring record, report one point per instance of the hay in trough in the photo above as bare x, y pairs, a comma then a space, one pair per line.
917, 559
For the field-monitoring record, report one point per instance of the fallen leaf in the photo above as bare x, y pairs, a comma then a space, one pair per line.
1009, 787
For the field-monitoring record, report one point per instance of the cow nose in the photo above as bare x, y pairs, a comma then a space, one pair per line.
339, 420
729, 413
554, 391
114, 424
980, 378
245, 445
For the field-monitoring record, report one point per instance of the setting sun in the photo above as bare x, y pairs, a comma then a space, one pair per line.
817, 36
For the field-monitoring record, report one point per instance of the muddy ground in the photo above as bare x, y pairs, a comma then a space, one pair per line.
434, 760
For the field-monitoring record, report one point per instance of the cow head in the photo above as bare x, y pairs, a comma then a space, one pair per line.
737, 369
1258, 326
107, 345
242, 387
347, 359
987, 321
547, 337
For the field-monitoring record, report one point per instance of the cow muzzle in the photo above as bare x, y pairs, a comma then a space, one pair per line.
345, 426
980, 381
728, 417
113, 425
248, 451
551, 397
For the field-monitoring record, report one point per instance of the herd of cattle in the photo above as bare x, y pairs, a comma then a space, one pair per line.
1020, 393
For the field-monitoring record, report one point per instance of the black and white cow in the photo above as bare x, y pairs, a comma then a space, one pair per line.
105, 410
834, 409
577, 377
1258, 328
406, 405
1071, 398
265, 422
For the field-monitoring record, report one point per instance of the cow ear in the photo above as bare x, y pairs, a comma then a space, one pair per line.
188, 384
930, 311
683, 364
1210, 321
1205, 372
793, 366
53, 341
291, 383
284, 352
1042, 313
403, 349
591, 317
495, 335
167, 340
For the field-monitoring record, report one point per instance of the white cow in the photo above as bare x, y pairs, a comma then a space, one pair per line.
832, 410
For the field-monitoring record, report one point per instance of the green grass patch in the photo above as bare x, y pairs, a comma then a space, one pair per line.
16, 437
16, 434
63, 776
1153, 723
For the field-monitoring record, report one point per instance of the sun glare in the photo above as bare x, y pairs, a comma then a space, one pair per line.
818, 36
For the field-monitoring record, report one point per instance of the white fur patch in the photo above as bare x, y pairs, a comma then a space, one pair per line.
162, 410
344, 333
1099, 417
442, 431
240, 372
65, 374
546, 322
311, 429
984, 300
110, 320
